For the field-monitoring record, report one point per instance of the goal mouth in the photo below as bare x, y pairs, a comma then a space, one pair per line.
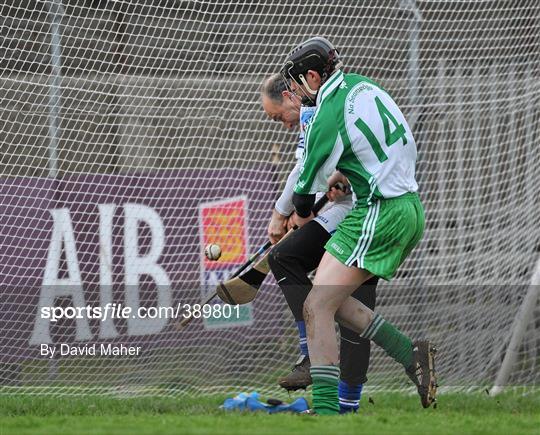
133, 137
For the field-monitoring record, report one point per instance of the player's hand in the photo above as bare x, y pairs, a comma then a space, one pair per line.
335, 194
277, 227
299, 221
291, 221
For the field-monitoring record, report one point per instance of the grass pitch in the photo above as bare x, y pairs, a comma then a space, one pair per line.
385, 413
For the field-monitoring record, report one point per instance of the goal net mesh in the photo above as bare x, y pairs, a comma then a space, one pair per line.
132, 133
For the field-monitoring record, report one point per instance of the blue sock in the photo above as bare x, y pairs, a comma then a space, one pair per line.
349, 397
303, 338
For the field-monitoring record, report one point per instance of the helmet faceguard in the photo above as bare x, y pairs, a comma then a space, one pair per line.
316, 54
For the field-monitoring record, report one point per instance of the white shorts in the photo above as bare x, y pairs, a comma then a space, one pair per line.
334, 212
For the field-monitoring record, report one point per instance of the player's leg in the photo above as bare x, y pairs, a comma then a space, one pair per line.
328, 298
290, 262
354, 350
354, 353
319, 312
418, 358
371, 238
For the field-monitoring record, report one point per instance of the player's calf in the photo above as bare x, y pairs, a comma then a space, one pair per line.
418, 358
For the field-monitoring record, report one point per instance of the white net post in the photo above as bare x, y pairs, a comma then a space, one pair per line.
56, 11
522, 321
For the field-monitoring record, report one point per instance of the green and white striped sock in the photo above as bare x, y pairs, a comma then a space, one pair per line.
392, 340
325, 389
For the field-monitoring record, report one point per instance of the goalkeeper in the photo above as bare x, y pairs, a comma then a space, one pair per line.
358, 129
301, 252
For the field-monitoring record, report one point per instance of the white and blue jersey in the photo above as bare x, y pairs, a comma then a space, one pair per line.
334, 212
306, 113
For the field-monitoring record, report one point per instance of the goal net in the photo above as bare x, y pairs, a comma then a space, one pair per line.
132, 134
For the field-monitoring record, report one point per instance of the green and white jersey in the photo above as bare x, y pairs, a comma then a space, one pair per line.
359, 130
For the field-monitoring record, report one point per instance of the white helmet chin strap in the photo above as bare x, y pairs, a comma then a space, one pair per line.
305, 83
305, 88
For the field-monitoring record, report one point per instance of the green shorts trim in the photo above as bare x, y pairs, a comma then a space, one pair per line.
379, 237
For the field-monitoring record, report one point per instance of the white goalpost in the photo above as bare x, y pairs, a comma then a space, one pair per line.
522, 320
132, 134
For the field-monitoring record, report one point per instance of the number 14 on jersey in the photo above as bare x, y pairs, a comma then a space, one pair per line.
393, 131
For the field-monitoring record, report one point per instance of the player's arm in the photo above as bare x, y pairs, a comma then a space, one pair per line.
284, 204
282, 215
283, 208
322, 151
303, 205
